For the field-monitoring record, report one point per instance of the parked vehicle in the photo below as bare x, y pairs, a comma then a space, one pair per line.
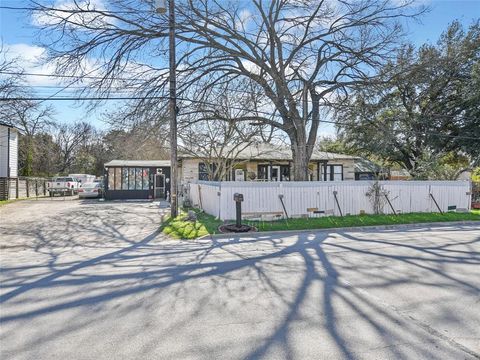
83, 178
63, 186
90, 190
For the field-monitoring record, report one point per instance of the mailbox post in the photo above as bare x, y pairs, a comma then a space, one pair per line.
238, 198
237, 227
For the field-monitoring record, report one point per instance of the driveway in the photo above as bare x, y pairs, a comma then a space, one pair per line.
91, 280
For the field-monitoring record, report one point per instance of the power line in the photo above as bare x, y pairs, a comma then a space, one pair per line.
132, 79
210, 104
77, 10
16, 73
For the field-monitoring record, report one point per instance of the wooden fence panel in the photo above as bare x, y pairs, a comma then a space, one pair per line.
17, 188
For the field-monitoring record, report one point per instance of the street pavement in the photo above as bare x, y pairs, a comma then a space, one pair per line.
96, 280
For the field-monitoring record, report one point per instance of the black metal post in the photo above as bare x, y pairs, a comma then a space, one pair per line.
238, 206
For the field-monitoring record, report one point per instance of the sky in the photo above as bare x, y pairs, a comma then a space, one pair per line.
19, 35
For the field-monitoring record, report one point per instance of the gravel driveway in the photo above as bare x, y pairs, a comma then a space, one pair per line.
92, 280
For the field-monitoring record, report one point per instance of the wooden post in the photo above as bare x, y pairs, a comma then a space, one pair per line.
28, 190
36, 187
16, 188
44, 187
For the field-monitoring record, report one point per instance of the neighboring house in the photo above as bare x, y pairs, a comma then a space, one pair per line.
137, 179
401, 174
8, 156
265, 162
368, 170
8, 150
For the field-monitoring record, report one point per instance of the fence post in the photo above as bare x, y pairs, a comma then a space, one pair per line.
36, 187
44, 187
16, 188
7, 188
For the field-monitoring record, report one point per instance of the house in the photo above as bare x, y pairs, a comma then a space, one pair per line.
8, 156
368, 170
267, 162
400, 174
137, 179
150, 179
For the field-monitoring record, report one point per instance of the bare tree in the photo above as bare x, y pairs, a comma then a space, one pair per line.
300, 54
218, 145
70, 138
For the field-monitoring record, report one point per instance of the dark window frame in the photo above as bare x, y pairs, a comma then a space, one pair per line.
203, 175
331, 174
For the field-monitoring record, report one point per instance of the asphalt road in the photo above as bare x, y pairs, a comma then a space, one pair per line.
90, 280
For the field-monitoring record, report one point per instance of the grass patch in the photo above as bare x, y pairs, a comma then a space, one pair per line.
178, 228
5, 202
207, 224
362, 220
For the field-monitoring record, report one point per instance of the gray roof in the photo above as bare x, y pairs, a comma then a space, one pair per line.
264, 151
139, 163
366, 166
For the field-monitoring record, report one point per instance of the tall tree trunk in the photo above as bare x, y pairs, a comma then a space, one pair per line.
300, 159
301, 144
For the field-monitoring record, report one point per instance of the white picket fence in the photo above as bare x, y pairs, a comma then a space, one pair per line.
299, 197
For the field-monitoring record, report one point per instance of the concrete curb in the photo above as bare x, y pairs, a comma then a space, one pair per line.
340, 229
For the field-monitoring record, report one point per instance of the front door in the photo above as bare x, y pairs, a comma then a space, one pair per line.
275, 173
159, 192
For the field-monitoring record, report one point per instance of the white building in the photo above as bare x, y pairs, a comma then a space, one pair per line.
8, 150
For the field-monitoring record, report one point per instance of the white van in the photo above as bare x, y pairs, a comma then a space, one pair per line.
83, 178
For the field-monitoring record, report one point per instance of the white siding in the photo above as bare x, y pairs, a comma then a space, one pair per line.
3, 150
13, 153
405, 196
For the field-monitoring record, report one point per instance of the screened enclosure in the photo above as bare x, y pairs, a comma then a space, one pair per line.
137, 179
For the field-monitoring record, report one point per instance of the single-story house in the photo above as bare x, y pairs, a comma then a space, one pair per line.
137, 179
368, 170
150, 179
8, 156
266, 162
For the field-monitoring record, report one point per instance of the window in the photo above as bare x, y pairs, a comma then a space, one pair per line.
124, 179
262, 171
111, 178
204, 173
331, 172
285, 173
128, 178
118, 178
138, 179
337, 172
146, 179
131, 179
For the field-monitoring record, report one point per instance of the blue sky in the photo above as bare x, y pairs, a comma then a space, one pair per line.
17, 33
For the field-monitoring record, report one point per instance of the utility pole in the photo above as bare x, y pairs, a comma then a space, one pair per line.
173, 112
161, 8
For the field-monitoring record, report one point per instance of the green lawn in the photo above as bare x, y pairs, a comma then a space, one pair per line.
5, 202
207, 224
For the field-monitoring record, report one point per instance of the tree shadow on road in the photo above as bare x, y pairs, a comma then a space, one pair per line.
98, 259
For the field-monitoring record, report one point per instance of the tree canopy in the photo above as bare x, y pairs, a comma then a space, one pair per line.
428, 109
300, 55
